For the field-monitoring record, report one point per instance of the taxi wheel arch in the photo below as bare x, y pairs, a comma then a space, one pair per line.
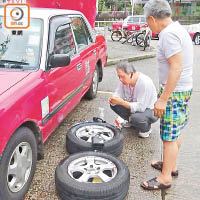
22, 142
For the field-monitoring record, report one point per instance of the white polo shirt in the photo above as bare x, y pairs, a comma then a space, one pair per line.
141, 97
172, 40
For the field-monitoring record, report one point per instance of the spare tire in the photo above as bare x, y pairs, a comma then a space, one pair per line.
92, 176
79, 137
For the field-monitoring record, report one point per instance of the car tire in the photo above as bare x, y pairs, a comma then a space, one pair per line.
92, 176
92, 92
116, 36
20, 155
79, 137
197, 39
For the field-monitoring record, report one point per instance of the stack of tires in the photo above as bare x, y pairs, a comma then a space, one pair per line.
88, 174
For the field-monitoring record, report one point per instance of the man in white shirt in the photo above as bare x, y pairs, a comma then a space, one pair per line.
175, 66
134, 98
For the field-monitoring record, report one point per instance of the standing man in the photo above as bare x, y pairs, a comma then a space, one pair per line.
134, 98
175, 62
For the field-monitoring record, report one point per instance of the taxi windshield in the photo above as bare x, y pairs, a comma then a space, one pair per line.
20, 49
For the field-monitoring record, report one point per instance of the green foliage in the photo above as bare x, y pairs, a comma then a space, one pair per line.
105, 5
100, 5
138, 9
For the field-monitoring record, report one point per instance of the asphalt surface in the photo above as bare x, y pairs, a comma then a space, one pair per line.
137, 152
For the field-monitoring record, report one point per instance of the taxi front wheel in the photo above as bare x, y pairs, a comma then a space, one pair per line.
17, 165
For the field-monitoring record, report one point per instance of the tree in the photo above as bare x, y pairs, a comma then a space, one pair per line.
100, 5
109, 3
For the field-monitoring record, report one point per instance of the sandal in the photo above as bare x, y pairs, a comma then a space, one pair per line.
153, 184
158, 165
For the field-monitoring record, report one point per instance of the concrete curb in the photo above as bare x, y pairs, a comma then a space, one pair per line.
130, 59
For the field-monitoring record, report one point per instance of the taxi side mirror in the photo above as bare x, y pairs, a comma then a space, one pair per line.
59, 60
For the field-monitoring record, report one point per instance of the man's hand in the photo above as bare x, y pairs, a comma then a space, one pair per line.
116, 100
160, 107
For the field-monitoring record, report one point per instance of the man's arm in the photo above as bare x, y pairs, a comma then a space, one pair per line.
175, 65
119, 101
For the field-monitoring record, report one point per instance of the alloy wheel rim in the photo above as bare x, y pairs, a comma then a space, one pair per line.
92, 169
197, 39
19, 167
86, 133
95, 81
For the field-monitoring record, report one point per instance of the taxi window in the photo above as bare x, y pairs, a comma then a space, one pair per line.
143, 20
64, 41
134, 20
82, 35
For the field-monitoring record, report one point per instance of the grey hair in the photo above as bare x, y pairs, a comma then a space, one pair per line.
126, 67
159, 9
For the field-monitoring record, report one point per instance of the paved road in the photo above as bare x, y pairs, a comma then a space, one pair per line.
137, 152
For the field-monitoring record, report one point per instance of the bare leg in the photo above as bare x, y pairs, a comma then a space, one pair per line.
170, 153
178, 142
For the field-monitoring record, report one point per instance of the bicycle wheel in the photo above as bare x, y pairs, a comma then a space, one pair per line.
116, 36
133, 43
128, 39
147, 42
140, 40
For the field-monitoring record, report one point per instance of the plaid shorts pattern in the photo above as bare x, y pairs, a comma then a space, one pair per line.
176, 115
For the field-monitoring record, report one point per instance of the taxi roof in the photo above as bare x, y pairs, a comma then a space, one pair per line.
45, 13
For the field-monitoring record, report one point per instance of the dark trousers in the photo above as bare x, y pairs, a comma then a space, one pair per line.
140, 120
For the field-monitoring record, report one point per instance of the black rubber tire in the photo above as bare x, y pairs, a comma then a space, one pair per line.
147, 42
116, 36
75, 145
140, 40
70, 189
134, 40
92, 92
23, 134
129, 39
197, 39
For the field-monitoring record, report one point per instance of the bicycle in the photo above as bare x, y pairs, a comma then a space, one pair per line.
131, 38
143, 39
118, 34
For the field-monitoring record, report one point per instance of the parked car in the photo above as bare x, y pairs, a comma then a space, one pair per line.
195, 37
133, 23
194, 31
45, 70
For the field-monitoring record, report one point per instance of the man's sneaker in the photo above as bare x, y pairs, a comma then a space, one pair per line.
120, 122
126, 124
145, 134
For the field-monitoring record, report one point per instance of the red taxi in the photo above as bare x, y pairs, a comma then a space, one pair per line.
45, 70
133, 23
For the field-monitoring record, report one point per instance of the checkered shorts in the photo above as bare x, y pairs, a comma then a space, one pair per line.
176, 115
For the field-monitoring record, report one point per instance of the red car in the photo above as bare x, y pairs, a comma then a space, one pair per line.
45, 70
134, 23
195, 37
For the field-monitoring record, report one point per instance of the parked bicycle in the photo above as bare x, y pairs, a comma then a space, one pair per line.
143, 39
131, 38
118, 34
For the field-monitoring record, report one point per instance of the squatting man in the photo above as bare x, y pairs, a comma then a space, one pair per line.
134, 99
